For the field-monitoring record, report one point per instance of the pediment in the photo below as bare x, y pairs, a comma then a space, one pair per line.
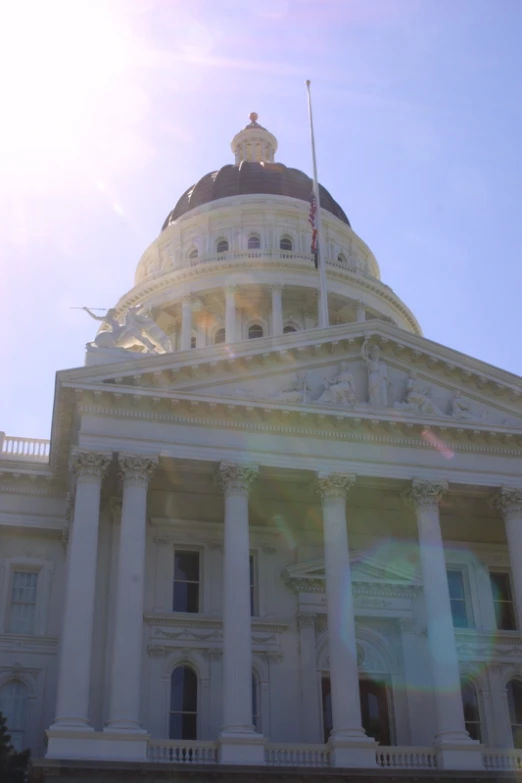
348, 370
391, 572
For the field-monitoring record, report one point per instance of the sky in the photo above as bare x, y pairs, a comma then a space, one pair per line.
112, 108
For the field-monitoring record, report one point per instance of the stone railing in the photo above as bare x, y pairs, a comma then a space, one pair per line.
24, 448
502, 759
182, 752
240, 255
290, 755
406, 758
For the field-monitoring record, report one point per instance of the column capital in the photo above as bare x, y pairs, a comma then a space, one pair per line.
426, 494
236, 479
509, 501
187, 299
231, 288
89, 466
137, 469
306, 620
334, 485
277, 287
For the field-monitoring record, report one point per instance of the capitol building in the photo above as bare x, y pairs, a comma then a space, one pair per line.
256, 544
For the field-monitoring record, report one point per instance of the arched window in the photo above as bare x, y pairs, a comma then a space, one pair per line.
471, 710
219, 336
193, 253
341, 259
254, 242
514, 694
285, 243
192, 342
256, 709
255, 331
183, 715
13, 706
288, 329
222, 246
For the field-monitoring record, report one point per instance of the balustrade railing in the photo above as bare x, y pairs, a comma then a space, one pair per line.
502, 759
406, 758
182, 752
290, 755
24, 448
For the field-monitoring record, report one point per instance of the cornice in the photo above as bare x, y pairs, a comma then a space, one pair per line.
483, 646
28, 644
197, 621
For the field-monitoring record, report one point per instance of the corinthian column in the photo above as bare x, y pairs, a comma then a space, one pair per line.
74, 674
186, 322
350, 745
277, 310
239, 742
509, 501
451, 729
124, 698
230, 314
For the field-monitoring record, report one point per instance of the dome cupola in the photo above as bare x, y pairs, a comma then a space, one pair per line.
254, 143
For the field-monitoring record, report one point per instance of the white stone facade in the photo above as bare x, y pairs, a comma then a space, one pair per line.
345, 504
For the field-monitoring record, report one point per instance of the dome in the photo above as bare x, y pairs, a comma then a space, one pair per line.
250, 177
254, 172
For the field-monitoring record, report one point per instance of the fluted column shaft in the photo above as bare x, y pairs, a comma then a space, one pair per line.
230, 314
277, 310
74, 674
124, 698
441, 636
510, 503
237, 636
186, 323
344, 675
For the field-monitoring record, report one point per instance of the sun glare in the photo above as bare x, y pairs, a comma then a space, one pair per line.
60, 60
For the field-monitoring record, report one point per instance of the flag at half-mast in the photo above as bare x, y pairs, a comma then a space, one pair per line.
312, 219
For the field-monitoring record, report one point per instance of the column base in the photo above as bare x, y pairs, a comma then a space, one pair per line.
242, 748
352, 749
466, 754
96, 745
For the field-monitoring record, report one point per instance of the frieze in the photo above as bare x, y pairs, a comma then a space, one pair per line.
486, 647
392, 432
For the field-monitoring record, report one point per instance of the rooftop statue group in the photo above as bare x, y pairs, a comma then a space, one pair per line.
137, 328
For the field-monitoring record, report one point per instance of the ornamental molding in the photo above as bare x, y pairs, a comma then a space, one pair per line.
17, 482
480, 646
137, 470
29, 644
376, 429
166, 620
89, 466
235, 479
362, 591
334, 486
509, 501
426, 494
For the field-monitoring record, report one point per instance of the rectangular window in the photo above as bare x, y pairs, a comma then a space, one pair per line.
23, 602
186, 581
253, 586
503, 600
458, 599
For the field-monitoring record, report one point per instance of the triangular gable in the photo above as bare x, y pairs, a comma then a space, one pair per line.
364, 569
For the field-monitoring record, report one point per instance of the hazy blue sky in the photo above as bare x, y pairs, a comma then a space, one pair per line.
112, 109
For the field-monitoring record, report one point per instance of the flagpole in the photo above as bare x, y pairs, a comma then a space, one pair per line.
323, 292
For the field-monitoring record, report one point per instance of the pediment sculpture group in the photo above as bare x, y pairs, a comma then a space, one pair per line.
338, 390
138, 328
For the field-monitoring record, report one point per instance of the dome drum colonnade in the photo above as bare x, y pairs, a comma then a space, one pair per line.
239, 240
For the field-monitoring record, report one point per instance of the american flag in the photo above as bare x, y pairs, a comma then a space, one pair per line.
311, 219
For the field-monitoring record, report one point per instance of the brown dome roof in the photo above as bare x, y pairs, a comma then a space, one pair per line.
271, 178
